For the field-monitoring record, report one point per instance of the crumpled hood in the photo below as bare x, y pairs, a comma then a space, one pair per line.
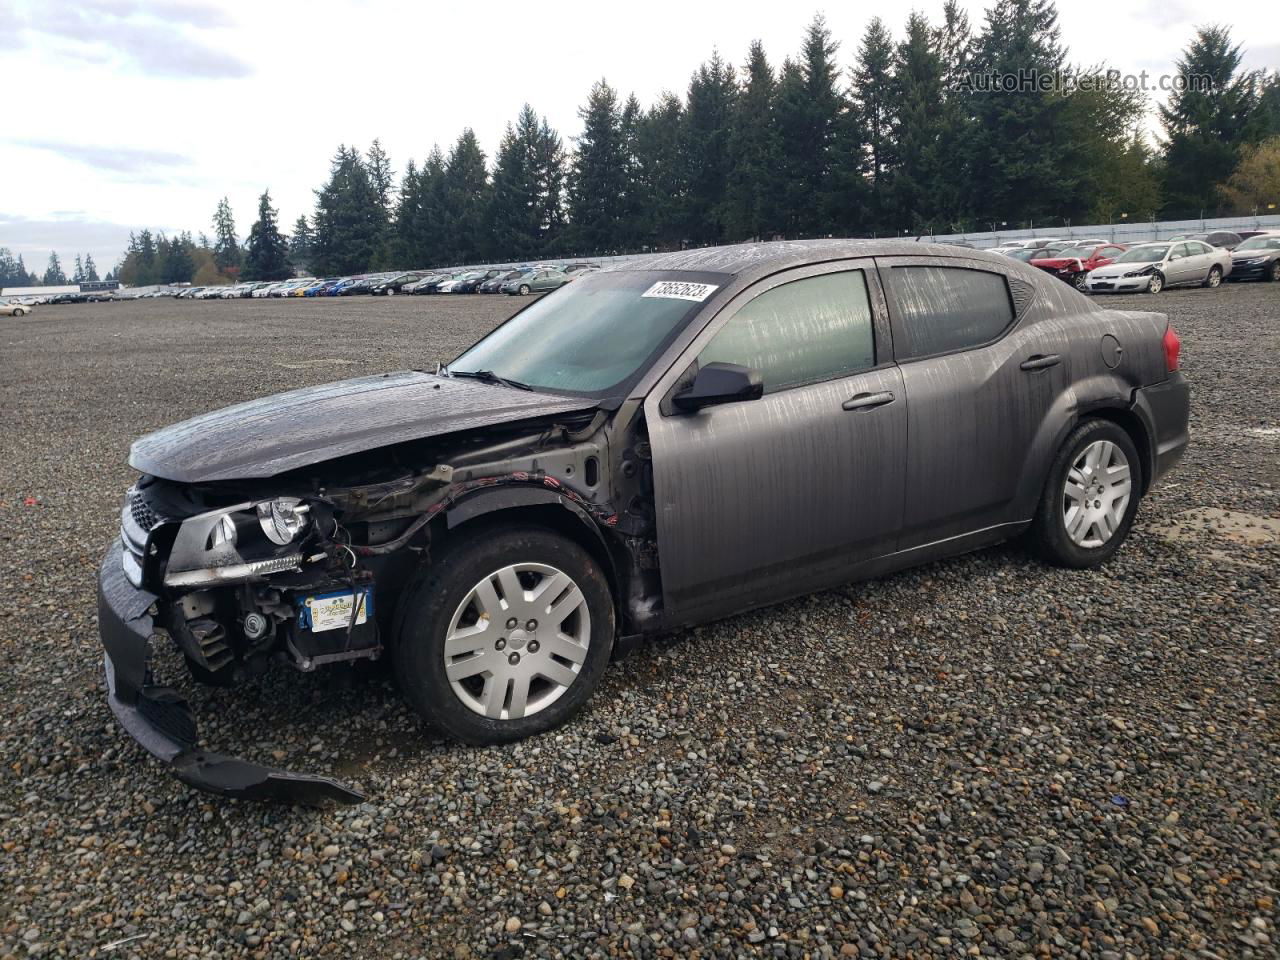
265, 437
1119, 269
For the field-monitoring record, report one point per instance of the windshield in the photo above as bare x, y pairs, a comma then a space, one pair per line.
1144, 254
1260, 243
1084, 253
593, 335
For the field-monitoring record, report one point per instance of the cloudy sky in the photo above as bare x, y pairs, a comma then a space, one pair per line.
133, 113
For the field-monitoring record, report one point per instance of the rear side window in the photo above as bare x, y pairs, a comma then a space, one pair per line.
941, 309
806, 331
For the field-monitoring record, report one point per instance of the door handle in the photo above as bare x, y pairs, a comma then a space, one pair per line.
1040, 362
865, 401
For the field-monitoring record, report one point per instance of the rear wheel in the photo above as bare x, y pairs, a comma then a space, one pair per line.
1156, 284
1090, 497
506, 635
1214, 278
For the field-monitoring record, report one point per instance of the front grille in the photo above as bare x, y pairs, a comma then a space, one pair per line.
141, 511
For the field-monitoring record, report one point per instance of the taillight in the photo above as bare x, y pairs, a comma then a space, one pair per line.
1172, 347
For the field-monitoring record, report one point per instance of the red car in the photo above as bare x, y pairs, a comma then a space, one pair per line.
1073, 264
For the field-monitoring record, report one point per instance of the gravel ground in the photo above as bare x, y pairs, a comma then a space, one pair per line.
981, 757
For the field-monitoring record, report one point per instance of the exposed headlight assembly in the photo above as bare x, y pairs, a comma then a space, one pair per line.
218, 546
283, 519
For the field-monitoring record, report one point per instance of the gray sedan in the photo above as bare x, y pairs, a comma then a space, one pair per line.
662, 443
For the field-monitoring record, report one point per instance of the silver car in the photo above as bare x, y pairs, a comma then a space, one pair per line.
1150, 267
654, 445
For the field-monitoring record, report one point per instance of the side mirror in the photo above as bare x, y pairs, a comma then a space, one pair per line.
718, 383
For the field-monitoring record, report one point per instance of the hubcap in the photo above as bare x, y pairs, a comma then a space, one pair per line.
1214, 278
1096, 494
517, 641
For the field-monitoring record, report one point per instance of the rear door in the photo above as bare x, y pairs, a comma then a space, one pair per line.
979, 386
761, 499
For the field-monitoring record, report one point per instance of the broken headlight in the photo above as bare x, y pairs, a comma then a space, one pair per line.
283, 519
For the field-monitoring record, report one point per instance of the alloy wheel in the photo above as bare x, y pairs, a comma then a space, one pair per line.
1215, 277
517, 642
1156, 284
1096, 494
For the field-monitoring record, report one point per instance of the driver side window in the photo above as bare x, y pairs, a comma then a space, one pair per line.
806, 331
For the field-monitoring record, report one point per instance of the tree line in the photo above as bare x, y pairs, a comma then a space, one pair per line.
896, 135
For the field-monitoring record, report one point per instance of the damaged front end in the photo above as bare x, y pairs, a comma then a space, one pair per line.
236, 584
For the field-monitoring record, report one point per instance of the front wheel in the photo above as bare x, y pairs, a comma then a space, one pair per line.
1214, 278
1156, 284
1081, 282
19, 312
506, 635
524, 289
1274, 273
1090, 497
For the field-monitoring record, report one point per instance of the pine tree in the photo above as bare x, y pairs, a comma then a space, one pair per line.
12, 274
466, 194
78, 276
226, 248
549, 165
631, 212
661, 175
751, 203
708, 114
179, 265
267, 252
1206, 129
952, 44
383, 179
873, 97
90, 268
916, 132
598, 187
1018, 37
810, 111
513, 217
53, 275
300, 243
347, 227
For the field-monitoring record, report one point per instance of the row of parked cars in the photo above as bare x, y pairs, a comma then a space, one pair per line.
1094, 265
517, 281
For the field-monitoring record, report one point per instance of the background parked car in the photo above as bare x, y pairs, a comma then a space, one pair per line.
394, 285
11, 308
1072, 264
1224, 239
1154, 266
1257, 258
496, 284
539, 281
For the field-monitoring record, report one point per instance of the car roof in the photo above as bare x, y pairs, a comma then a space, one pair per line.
779, 254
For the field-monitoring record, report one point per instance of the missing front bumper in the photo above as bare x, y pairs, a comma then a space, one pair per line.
162, 721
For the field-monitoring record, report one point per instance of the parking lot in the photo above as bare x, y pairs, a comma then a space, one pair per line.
984, 756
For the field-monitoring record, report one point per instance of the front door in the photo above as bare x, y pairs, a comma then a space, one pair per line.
760, 499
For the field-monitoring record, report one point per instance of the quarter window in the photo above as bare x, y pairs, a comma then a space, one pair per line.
808, 330
942, 309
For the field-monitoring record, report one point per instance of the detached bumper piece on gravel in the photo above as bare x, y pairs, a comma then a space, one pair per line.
162, 722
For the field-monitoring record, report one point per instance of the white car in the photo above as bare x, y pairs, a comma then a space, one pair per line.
13, 308
1150, 267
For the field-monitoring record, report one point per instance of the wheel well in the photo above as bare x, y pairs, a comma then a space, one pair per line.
1130, 423
547, 515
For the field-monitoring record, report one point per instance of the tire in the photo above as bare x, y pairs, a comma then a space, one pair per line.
1274, 273
1214, 279
1081, 281
524, 289
391, 291
19, 312
1089, 536
443, 601
1156, 284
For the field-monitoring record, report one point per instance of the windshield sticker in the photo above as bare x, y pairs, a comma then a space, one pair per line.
678, 290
